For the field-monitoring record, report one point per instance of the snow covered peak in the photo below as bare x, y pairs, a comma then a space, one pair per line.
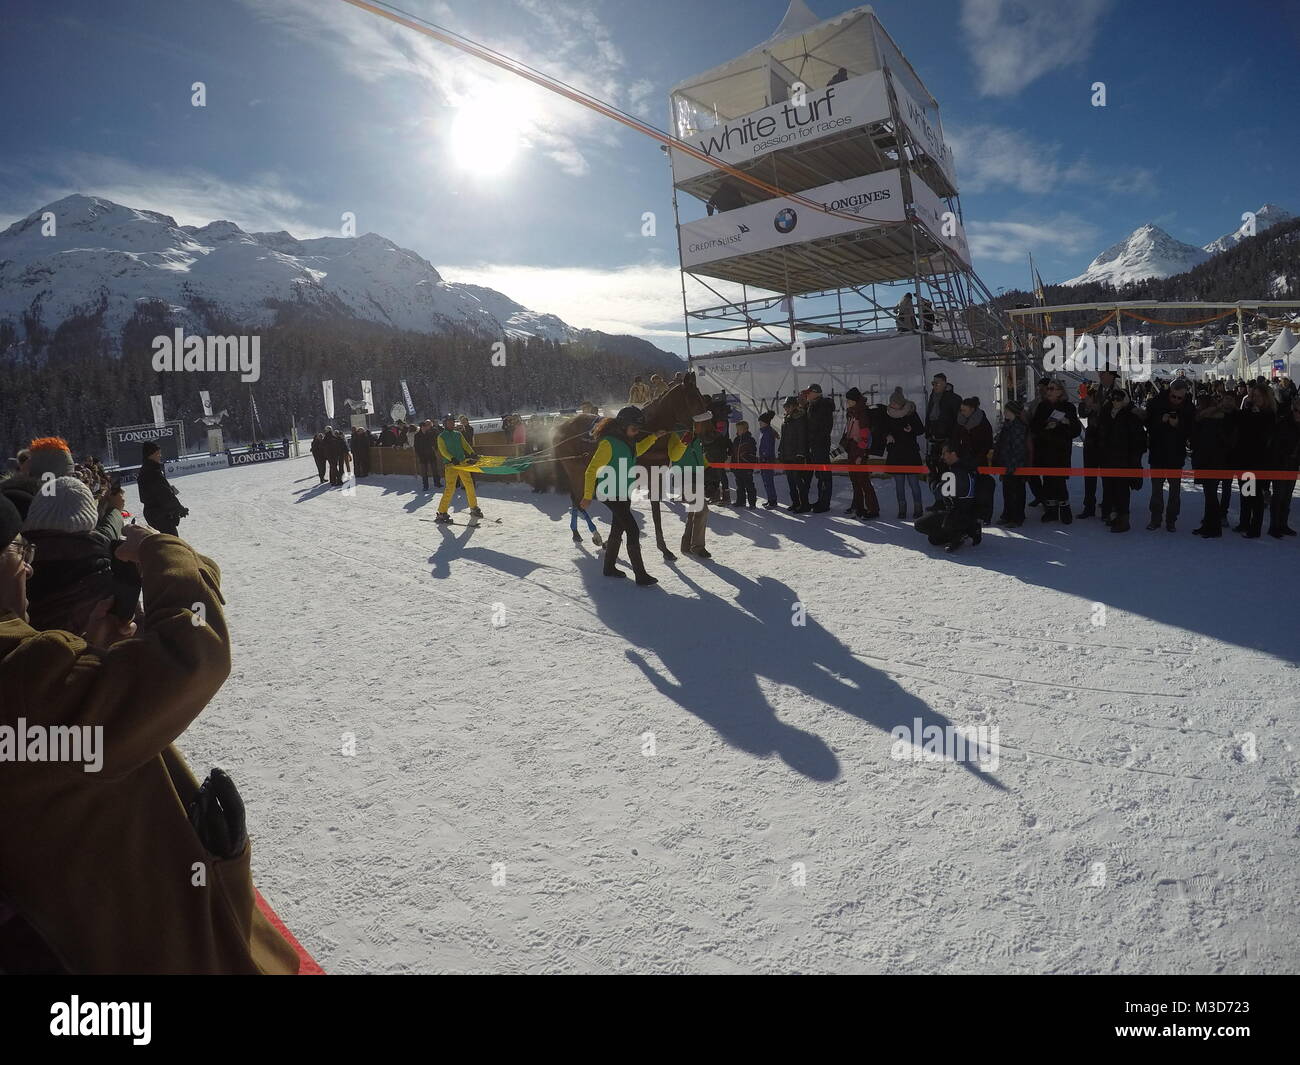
1268, 215
1146, 252
108, 257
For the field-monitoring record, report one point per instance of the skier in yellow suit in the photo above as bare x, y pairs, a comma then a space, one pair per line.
456, 453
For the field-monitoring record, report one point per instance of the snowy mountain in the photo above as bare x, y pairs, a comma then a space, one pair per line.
104, 260
1147, 252
1268, 215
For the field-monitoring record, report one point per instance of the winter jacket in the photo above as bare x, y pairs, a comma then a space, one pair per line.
156, 492
1011, 449
103, 865
857, 432
425, 444
1286, 443
902, 448
1125, 440
941, 414
1052, 446
1167, 442
360, 441
821, 419
1213, 436
974, 436
794, 438
717, 448
639, 394
744, 448
1256, 433
767, 440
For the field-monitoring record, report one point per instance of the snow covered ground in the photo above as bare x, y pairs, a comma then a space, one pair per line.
1132, 824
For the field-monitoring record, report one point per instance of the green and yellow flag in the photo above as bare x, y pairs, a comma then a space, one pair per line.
502, 465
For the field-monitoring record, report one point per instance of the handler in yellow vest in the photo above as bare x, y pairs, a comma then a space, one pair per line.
614, 466
455, 452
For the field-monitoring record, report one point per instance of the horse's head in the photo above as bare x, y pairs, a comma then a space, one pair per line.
677, 407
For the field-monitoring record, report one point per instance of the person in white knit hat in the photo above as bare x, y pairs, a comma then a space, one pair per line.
73, 569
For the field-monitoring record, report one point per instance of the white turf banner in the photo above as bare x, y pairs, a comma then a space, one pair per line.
368, 397
834, 109
917, 120
406, 395
774, 223
931, 210
206, 400
158, 418
328, 387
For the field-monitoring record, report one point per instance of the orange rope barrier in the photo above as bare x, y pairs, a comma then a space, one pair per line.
1159, 321
1082, 329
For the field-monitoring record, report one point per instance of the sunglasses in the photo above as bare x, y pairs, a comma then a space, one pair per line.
24, 550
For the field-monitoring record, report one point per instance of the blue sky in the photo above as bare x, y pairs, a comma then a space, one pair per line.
315, 108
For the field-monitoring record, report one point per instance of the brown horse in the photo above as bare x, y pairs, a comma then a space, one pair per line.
573, 446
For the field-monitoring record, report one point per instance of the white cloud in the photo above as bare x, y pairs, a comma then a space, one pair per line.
989, 157
1012, 240
1014, 42
192, 197
643, 300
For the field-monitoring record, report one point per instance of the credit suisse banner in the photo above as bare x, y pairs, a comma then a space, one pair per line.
931, 210
834, 109
775, 223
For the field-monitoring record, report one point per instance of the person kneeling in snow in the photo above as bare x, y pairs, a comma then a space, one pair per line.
957, 516
113, 859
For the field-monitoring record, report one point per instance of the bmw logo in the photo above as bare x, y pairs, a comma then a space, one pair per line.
785, 220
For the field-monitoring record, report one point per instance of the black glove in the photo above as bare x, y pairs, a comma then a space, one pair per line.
217, 814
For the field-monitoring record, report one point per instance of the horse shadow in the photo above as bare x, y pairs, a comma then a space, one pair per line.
315, 490
713, 652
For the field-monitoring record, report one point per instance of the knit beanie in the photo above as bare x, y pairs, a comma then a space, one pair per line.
50, 454
897, 396
70, 508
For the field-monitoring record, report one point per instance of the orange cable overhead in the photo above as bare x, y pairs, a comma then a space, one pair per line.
554, 85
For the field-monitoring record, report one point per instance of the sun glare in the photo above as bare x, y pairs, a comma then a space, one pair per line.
487, 132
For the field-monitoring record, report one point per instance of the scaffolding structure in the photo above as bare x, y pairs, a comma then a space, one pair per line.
831, 113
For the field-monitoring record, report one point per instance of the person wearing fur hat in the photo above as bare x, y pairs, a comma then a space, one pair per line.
162, 509
1122, 448
903, 433
973, 434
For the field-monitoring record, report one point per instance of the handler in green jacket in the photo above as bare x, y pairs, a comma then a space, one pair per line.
456, 452
614, 466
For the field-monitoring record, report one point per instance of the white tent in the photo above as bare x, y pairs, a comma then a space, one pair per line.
761, 379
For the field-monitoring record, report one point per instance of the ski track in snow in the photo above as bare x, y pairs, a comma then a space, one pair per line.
522, 744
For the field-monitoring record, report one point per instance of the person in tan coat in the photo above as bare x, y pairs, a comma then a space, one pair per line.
104, 866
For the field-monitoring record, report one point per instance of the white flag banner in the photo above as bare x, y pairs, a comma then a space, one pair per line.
406, 395
158, 418
328, 387
368, 397
207, 404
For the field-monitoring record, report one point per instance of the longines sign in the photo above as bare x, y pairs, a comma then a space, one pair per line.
866, 200
252, 456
